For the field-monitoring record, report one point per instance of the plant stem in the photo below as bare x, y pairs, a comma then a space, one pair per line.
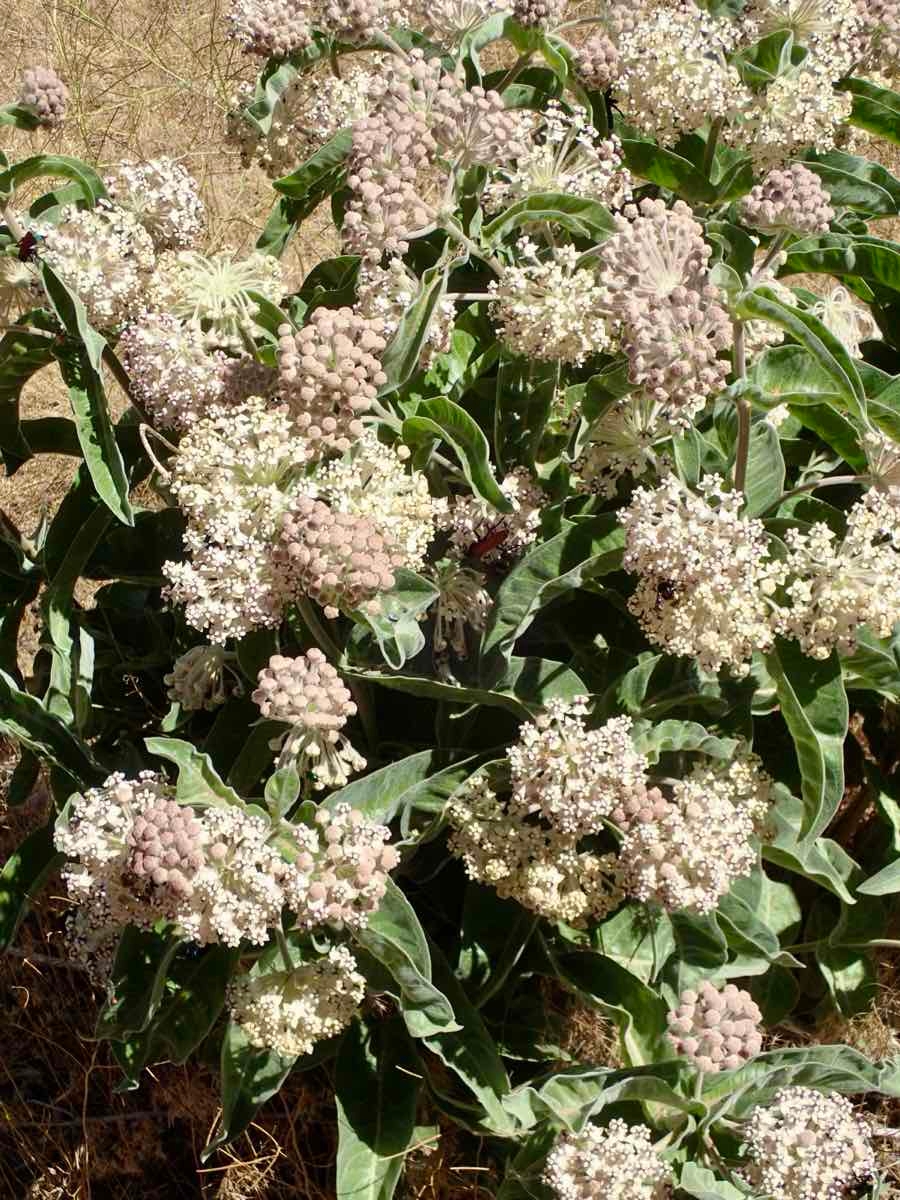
385, 40
12, 223
772, 253
742, 450
514, 71
451, 227
709, 154
284, 948
698, 1086
815, 484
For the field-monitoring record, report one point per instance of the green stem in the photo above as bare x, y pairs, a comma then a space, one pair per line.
772, 253
709, 155
284, 949
742, 451
514, 71
698, 1086
815, 484
385, 40
12, 223
451, 227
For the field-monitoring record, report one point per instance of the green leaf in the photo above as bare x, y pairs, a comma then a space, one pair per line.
768, 58
884, 883
396, 623
25, 719
250, 1076
588, 550
525, 393
397, 941
402, 357
762, 304
439, 418
469, 1050
21, 355
821, 860
637, 1011
814, 706
663, 737
376, 1086
578, 215
423, 782
875, 260
59, 166
198, 781
854, 182
329, 160
137, 982
668, 169
20, 116
765, 469
637, 937
24, 874
875, 109
702, 1184
282, 790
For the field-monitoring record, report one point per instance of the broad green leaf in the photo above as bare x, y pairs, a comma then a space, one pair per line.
25, 719
873, 259
20, 116
821, 860
137, 982
493, 936
308, 179
844, 954
668, 169
402, 357
765, 469
663, 737
814, 706
198, 781
439, 418
702, 1184
588, 550
396, 623
376, 1090
884, 883
638, 937
854, 182
397, 941
58, 166
763, 304
423, 781
768, 58
21, 355
24, 874
525, 394
282, 790
875, 108
250, 1076
469, 1050
578, 215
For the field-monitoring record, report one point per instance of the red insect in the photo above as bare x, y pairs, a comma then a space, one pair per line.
494, 537
28, 247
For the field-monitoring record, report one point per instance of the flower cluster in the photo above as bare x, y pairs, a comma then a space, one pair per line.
339, 876
173, 374
213, 292
808, 1145
232, 478
479, 531
307, 695
384, 294
197, 680
717, 1029
462, 604
288, 1011
687, 854
136, 856
44, 93
102, 253
597, 62
270, 28
539, 14
705, 577
329, 373
446, 22
604, 1162
165, 199
798, 110
790, 200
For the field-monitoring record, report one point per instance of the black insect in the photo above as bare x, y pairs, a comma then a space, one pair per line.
28, 247
665, 592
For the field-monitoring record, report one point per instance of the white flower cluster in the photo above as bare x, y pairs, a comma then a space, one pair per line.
231, 477
307, 694
688, 855
574, 776
165, 199
197, 679
212, 292
44, 93
717, 1029
564, 154
446, 22
104, 255
173, 374
847, 318
881, 30
837, 585
462, 604
808, 1145
136, 856
830, 29
548, 308
479, 531
622, 441
340, 873
706, 580
797, 111
289, 1011
612, 1162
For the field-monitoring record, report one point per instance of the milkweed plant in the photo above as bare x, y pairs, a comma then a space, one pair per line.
507, 611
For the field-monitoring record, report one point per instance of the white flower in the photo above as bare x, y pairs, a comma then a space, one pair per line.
847, 318
462, 604
289, 1011
197, 680
164, 197
612, 1162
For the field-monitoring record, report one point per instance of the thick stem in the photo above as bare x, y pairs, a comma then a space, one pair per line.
709, 155
514, 71
772, 253
742, 450
12, 223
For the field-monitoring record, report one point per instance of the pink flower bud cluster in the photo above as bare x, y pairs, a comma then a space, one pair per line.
340, 874
166, 843
340, 560
718, 1030
359, 20
329, 374
45, 94
790, 200
270, 28
539, 13
597, 62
